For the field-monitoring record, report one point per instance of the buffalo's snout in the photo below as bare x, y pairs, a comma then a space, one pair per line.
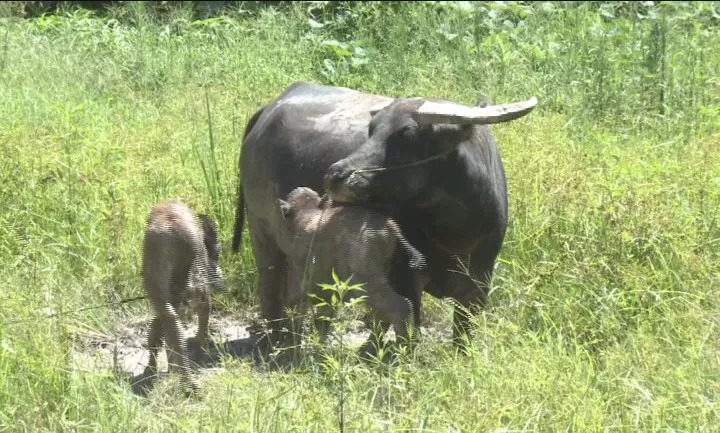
345, 184
335, 174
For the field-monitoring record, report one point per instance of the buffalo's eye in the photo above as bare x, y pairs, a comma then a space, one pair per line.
405, 131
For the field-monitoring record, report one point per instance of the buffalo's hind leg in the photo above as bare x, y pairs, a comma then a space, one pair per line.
272, 278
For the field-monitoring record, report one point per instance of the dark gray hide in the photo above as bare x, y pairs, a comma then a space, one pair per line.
445, 183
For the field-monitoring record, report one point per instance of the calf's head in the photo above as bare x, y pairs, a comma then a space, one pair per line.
403, 139
300, 200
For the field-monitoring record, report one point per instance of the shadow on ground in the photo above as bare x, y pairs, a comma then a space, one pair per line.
240, 348
122, 350
253, 348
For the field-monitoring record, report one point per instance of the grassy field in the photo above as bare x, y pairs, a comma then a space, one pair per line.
606, 309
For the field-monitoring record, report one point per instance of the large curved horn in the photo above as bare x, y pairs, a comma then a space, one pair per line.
448, 112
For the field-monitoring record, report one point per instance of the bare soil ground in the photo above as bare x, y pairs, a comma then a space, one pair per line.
122, 348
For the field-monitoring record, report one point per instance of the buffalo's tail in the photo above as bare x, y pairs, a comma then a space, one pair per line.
239, 221
240, 206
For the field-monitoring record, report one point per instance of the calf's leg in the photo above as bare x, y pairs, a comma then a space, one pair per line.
391, 308
201, 336
155, 343
378, 328
176, 345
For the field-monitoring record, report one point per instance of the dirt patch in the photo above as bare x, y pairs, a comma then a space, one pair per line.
122, 348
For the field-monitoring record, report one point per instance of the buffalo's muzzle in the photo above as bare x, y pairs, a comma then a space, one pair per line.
345, 185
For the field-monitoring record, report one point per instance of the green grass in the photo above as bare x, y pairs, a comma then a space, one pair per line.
605, 312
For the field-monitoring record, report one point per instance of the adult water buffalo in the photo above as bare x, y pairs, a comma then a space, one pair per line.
433, 165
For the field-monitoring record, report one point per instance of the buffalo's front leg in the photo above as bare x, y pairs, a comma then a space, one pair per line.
462, 318
468, 282
471, 289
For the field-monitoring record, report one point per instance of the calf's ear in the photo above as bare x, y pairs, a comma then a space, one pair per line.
285, 208
209, 226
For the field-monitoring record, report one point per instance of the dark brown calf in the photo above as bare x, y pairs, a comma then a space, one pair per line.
180, 266
358, 243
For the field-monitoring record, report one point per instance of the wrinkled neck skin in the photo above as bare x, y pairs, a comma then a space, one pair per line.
461, 205
307, 243
309, 220
306, 225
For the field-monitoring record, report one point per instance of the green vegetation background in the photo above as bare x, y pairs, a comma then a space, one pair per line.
605, 311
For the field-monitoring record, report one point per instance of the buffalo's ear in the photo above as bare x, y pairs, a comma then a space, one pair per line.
374, 112
285, 208
451, 135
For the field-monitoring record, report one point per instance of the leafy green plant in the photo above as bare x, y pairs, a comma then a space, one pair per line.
344, 58
344, 303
